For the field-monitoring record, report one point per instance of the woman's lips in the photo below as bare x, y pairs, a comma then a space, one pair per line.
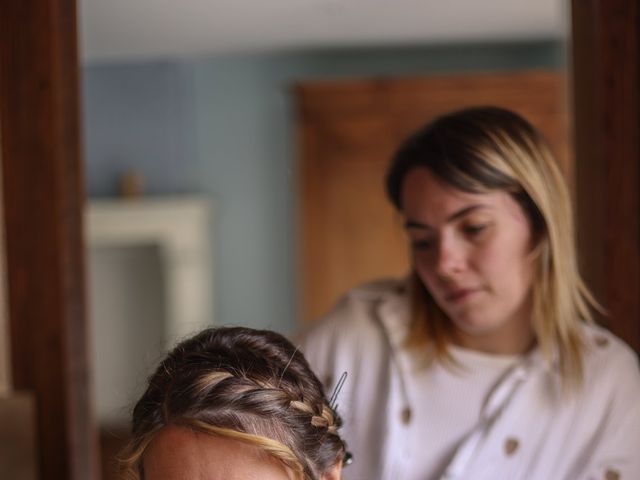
460, 294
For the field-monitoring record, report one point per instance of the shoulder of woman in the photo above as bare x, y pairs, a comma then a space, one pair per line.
609, 407
351, 319
355, 307
378, 290
340, 340
608, 358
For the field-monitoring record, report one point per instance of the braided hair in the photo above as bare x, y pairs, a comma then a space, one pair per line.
248, 385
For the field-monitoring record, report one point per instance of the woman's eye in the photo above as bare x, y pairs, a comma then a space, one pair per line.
421, 244
474, 229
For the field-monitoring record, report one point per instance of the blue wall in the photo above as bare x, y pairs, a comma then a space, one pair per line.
142, 116
223, 127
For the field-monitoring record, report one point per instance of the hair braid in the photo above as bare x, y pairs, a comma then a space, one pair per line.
250, 385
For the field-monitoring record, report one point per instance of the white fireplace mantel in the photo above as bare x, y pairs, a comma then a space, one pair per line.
180, 228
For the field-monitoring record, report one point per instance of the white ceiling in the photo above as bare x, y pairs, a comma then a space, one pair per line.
137, 29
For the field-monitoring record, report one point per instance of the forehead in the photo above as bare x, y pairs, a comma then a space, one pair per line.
427, 198
177, 453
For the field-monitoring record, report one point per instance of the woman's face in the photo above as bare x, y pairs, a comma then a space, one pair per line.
473, 253
180, 454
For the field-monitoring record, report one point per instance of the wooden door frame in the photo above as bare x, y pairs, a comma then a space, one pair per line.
43, 193
606, 82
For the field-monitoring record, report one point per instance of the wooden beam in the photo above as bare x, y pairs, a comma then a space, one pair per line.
5, 364
606, 82
43, 199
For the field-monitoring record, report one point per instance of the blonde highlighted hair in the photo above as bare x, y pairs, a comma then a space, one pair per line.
131, 460
486, 149
248, 385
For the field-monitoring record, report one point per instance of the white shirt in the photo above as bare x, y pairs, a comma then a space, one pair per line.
403, 421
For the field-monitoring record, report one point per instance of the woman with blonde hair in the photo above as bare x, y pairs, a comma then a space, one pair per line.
485, 362
234, 403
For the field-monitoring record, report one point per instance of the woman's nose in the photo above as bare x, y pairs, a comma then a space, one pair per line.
450, 258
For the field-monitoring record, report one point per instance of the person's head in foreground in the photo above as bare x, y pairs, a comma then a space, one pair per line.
490, 224
234, 403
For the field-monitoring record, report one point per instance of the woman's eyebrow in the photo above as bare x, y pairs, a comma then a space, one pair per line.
454, 216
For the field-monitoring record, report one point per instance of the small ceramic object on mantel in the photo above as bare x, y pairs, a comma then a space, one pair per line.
131, 184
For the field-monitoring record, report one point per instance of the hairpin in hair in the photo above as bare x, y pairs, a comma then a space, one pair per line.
336, 391
287, 365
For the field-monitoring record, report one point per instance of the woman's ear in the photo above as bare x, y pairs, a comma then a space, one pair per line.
333, 473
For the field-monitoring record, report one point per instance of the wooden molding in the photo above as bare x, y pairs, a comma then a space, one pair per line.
5, 364
606, 82
43, 199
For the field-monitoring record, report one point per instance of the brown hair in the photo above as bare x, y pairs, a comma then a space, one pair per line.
249, 385
487, 149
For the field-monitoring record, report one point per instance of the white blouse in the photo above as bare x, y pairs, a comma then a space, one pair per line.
489, 417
